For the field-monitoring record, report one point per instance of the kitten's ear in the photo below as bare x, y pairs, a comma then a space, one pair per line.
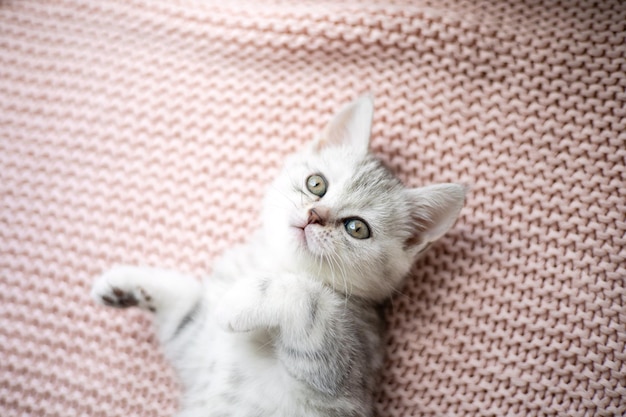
350, 127
434, 209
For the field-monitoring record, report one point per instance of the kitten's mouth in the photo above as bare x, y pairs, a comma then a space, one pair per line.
306, 239
300, 234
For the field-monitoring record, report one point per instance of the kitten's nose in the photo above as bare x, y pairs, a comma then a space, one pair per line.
318, 215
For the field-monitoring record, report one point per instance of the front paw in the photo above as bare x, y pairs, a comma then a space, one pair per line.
232, 320
118, 288
243, 308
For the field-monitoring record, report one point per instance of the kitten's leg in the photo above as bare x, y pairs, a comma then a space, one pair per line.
318, 341
171, 296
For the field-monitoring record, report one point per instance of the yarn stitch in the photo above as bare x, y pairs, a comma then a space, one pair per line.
144, 132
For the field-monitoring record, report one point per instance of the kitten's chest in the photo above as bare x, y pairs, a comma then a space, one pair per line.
244, 261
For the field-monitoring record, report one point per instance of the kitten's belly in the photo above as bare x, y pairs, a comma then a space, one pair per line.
235, 375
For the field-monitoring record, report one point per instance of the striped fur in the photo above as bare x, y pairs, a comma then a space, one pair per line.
288, 324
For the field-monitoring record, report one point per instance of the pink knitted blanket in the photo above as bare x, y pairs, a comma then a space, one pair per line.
145, 132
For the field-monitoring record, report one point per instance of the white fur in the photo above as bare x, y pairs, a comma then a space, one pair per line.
260, 294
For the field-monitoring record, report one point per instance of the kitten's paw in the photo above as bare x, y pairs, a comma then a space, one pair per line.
119, 288
228, 319
241, 308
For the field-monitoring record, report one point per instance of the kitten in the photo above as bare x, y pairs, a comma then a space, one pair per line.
288, 324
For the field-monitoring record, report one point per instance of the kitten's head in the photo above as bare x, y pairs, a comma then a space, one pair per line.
338, 212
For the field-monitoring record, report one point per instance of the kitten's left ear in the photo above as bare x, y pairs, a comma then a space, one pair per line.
350, 127
434, 210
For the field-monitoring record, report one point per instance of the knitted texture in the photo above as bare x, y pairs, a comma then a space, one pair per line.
145, 132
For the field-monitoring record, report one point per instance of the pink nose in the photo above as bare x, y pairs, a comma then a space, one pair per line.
318, 215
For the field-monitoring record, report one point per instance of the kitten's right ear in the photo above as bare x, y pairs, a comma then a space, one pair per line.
350, 127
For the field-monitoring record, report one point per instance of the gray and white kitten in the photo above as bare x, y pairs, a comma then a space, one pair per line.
288, 325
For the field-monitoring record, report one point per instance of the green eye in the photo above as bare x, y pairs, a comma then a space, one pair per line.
357, 228
316, 184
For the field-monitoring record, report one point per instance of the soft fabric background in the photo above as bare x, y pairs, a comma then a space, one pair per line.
146, 131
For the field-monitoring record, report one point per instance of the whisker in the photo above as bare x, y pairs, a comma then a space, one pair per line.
397, 292
264, 345
284, 195
345, 278
335, 260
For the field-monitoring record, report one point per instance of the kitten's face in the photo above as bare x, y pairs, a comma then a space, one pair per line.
344, 218
338, 214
